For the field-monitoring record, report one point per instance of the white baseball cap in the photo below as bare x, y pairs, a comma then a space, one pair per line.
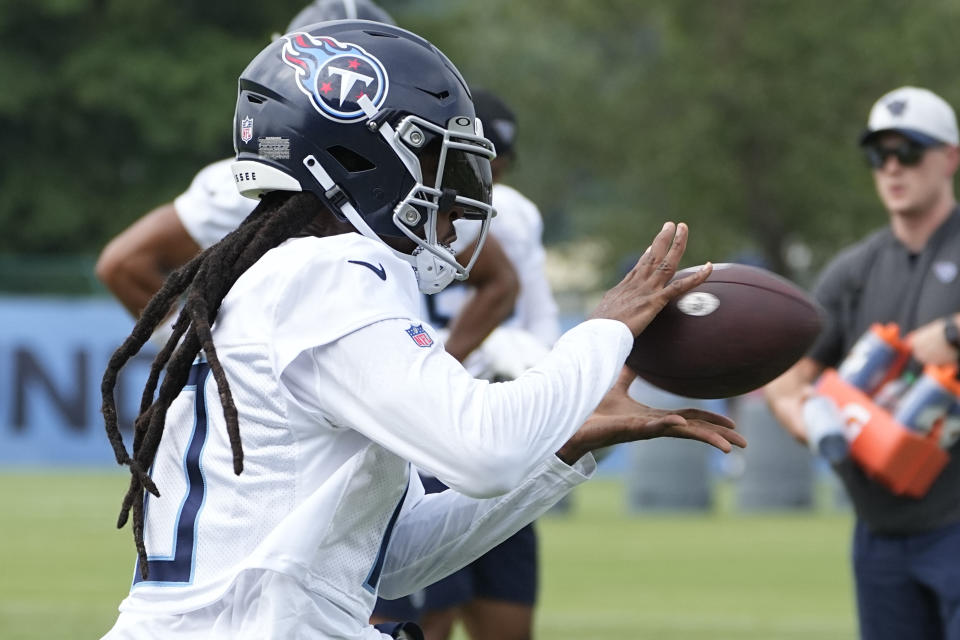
918, 114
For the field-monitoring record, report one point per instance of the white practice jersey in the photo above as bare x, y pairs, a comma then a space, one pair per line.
339, 388
518, 228
211, 207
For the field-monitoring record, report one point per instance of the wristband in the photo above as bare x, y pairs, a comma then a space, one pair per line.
951, 333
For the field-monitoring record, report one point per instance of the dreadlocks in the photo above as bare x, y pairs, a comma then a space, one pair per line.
203, 282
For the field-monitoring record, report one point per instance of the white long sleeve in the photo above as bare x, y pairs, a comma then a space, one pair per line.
480, 438
438, 533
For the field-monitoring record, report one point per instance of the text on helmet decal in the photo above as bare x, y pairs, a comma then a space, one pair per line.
335, 75
240, 177
273, 147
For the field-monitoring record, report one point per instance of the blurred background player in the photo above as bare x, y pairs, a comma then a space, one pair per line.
494, 597
518, 230
326, 10
135, 263
905, 550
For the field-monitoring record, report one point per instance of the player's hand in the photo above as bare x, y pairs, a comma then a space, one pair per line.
930, 346
619, 418
647, 289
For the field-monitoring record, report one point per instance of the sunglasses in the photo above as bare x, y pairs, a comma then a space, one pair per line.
908, 154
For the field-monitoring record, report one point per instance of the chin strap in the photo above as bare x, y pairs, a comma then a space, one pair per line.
432, 273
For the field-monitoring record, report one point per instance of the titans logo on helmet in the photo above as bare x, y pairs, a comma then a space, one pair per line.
335, 75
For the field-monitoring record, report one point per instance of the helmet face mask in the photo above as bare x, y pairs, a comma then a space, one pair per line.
452, 173
377, 123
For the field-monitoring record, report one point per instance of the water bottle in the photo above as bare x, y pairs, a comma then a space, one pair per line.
890, 393
825, 432
951, 427
929, 399
874, 357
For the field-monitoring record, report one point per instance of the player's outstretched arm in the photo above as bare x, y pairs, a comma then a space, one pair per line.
619, 418
438, 533
647, 289
136, 262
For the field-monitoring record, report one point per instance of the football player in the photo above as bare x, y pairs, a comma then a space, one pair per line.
270, 490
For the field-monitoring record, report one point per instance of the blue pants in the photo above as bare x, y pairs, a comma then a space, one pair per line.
908, 586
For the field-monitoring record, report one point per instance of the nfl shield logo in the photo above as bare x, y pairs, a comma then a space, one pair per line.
421, 337
246, 129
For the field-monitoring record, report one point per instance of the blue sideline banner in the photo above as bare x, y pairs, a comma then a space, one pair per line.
53, 352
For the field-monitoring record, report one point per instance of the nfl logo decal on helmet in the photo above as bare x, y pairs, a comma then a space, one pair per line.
246, 129
335, 75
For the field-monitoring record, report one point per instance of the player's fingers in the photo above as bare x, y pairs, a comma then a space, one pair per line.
661, 267
708, 416
668, 421
731, 436
658, 249
638, 425
680, 286
714, 438
629, 428
647, 427
668, 266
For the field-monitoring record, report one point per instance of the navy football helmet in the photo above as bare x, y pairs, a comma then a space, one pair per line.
379, 124
327, 10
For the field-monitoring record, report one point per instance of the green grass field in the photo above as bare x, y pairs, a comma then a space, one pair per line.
64, 567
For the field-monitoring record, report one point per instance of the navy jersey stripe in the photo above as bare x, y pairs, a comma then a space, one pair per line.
373, 578
180, 568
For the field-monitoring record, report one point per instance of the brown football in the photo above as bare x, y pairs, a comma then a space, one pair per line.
734, 333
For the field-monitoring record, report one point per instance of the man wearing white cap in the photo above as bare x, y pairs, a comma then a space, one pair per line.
905, 550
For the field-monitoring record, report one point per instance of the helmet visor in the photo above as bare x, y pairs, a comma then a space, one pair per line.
466, 175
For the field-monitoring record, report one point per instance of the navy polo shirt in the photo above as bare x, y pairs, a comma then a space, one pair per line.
880, 280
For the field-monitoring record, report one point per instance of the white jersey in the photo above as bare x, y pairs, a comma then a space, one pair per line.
339, 387
212, 207
518, 228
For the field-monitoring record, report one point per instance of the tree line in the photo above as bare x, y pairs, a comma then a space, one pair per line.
739, 117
